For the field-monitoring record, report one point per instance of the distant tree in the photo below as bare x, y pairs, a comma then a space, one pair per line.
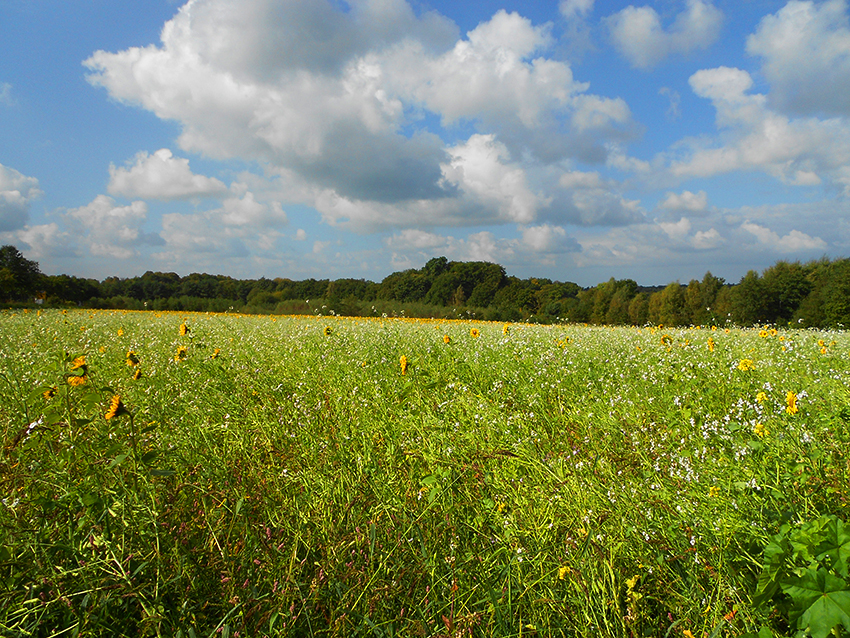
671, 310
639, 309
19, 277
747, 300
784, 285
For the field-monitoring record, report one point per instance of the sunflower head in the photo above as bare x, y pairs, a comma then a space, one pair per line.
328, 331
137, 374
132, 359
447, 339
79, 363
116, 408
184, 329
474, 333
403, 363
75, 381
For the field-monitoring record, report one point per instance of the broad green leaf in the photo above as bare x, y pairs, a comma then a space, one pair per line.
118, 460
821, 601
162, 472
836, 546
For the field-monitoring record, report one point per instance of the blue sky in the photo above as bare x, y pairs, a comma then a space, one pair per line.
576, 140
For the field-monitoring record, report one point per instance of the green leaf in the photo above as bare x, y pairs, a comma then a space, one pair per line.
163, 472
118, 460
821, 600
149, 457
836, 546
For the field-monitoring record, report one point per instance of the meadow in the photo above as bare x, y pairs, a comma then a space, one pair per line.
178, 474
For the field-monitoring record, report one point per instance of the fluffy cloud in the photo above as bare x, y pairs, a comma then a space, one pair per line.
806, 52
794, 241
339, 105
240, 227
109, 230
548, 239
685, 202
480, 167
572, 8
799, 151
536, 245
161, 176
586, 199
639, 36
47, 241
16, 193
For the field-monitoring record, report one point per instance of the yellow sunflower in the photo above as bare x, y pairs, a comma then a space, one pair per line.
116, 408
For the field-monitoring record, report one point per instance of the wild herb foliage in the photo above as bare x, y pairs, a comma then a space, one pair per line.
188, 475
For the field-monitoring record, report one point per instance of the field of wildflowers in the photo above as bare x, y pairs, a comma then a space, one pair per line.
222, 475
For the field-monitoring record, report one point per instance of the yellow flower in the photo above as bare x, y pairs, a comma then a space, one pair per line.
687, 634
506, 329
714, 491
116, 408
77, 381
772, 332
562, 572
79, 363
184, 329
137, 374
328, 331
500, 507
666, 340
120, 332
474, 333
823, 350
821, 343
132, 358
711, 344
403, 363
746, 364
760, 431
49, 393
215, 353
791, 401
763, 334
181, 353
761, 397
447, 339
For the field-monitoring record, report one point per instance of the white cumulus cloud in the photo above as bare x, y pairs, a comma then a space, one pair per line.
17, 191
792, 242
800, 151
640, 37
685, 201
805, 47
341, 105
110, 230
161, 176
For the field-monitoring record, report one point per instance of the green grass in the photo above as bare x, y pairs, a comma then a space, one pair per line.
551, 480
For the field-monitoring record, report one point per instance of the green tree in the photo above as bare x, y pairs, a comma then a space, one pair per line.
19, 277
671, 310
785, 286
639, 309
747, 300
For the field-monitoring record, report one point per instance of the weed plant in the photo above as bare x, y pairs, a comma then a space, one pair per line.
205, 475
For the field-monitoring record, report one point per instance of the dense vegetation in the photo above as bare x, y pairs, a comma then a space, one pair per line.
815, 294
168, 474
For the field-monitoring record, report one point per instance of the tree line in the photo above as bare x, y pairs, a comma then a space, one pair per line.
814, 294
